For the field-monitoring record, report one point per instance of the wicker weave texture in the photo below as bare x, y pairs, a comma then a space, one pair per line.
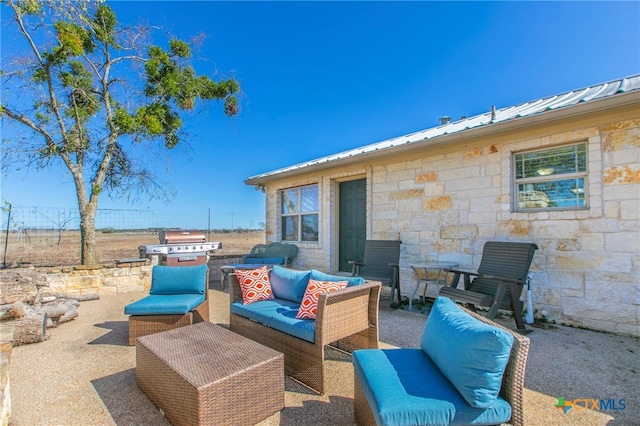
361, 408
512, 381
349, 315
142, 325
205, 374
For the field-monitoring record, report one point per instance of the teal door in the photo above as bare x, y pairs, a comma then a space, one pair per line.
353, 217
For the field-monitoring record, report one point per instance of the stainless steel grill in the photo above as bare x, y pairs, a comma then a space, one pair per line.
177, 247
175, 237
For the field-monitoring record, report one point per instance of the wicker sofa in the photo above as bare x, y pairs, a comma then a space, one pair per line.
347, 318
468, 370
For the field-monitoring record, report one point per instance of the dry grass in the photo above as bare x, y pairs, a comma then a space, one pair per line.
51, 249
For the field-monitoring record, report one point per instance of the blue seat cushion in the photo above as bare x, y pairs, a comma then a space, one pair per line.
264, 260
469, 352
288, 284
178, 280
165, 304
405, 387
278, 314
322, 276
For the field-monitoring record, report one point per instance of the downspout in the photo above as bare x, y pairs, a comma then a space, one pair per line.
369, 220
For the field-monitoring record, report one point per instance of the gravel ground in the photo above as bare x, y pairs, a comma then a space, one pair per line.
84, 374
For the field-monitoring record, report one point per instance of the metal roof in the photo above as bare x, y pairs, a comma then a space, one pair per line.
502, 115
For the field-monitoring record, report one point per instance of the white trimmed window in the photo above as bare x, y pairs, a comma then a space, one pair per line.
299, 213
551, 179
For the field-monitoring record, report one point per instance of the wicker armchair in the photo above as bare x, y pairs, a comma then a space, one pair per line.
177, 298
347, 318
511, 389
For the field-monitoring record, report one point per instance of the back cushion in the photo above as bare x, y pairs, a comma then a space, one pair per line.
469, 352
289, 284
322, 276
178, 280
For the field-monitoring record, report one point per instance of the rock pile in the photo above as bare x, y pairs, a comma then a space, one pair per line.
27, 307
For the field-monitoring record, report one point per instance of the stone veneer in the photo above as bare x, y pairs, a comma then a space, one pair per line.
103, 279
445, 203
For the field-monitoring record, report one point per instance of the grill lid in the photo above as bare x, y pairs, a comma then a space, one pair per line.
180, 237
207, 247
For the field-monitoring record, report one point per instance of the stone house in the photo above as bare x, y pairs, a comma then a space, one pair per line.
562, 172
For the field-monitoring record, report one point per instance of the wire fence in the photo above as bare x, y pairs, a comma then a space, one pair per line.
48, 236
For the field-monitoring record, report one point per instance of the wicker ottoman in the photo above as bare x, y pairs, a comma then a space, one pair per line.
206, 374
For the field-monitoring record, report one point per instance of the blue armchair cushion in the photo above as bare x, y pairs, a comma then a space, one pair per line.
405, 387
280, 315
469, 352
173, 304
264, 260
322, 276
289, 284
178, 280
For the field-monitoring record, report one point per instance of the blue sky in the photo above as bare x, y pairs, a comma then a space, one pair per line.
322, 77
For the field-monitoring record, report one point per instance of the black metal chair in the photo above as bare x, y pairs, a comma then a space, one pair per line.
380, 262
499, 281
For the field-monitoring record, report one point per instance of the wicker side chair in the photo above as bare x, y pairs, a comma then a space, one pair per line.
178, 297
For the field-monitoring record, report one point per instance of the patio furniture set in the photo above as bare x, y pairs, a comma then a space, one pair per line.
468, 369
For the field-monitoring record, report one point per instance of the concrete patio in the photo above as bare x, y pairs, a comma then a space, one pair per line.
85, 373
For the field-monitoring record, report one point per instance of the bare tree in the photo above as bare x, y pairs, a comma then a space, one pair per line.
60, 219
90, 92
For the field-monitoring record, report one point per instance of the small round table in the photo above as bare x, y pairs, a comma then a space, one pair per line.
441, 277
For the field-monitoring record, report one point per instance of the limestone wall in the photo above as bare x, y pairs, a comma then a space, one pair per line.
586, 270
445, 203
22, 283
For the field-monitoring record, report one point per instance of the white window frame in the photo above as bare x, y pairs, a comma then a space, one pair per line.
535, 198
299, 214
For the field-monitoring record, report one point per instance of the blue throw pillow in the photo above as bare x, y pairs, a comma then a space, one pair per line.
178, 279
288, 284
469, 352
322, 276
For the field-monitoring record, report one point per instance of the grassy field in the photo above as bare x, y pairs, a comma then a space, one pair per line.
50, 248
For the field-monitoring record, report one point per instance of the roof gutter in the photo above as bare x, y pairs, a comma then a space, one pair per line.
581, 109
